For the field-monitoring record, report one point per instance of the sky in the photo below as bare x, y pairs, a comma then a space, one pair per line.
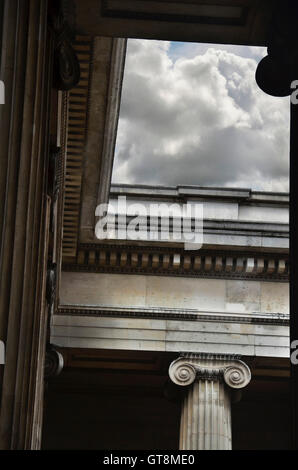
192, 114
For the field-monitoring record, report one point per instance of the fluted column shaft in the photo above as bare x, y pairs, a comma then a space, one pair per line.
206, 408
206, 417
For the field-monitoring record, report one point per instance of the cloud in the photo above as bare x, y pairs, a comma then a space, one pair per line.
190, 50
193, 114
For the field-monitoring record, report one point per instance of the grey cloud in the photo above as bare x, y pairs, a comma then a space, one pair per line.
199, 120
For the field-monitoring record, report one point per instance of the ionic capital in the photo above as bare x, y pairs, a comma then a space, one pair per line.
53, 362
230, 369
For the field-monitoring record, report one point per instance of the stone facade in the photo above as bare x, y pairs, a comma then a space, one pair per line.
225, 301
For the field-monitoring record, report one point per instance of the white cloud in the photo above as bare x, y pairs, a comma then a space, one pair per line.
193, 114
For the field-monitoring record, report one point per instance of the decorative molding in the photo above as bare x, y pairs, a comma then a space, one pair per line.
174, 314
175, 262
66, 64
78, 103
230, 369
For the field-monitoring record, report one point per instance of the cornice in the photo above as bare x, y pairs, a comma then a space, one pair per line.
183, 193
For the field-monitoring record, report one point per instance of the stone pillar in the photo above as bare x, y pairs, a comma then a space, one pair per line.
34, 50
206, 408
26, 70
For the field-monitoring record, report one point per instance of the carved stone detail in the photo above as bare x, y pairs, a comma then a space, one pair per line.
67, 67
182, 373
237, 375
53, 363
234, 372
164, 261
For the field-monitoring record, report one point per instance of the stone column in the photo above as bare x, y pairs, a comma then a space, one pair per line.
34, 50
206, 408
26, 70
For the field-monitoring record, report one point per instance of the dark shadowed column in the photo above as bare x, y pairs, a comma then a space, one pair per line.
275, 75
26, 69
